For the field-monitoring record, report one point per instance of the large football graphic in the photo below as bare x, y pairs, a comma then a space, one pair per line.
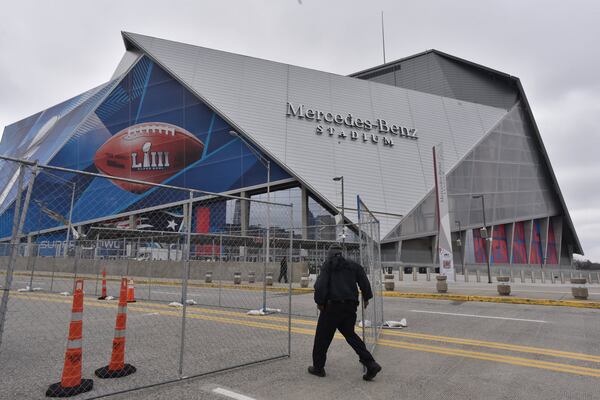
150, 152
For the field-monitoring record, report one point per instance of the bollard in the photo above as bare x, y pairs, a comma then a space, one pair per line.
571, 275
428, 276
251, 277
269, 279
562, 277
503, 286
304, 281
589, 279
543, 276
401, 274
522, 273
208, 277
414, 271
532, 276
478, 275
552, 277
580, 292
237, 278
388, 282
441, 284
466, 275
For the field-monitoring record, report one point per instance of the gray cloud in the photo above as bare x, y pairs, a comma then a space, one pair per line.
54, 50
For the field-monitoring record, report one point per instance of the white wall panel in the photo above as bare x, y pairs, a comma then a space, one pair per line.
252, 93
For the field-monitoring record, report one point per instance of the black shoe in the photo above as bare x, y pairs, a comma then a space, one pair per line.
372, 370
318, 372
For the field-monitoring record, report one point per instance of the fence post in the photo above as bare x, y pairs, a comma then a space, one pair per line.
291, 210
220, 264
186, 268
18, 221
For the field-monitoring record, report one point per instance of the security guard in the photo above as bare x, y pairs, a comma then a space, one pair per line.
336, 296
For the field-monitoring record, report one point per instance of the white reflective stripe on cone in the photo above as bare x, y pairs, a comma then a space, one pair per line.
74, 344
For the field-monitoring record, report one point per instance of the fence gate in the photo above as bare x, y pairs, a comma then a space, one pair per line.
170, 285
370, 259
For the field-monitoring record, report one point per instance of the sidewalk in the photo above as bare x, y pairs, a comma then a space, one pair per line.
521, 293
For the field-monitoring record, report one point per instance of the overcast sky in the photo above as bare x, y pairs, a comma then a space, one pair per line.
53, 50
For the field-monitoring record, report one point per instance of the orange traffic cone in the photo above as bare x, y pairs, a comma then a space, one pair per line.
130, 292
103, 297
71, 383
117, 367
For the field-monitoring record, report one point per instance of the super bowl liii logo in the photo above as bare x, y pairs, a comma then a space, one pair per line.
152, 160
349, 126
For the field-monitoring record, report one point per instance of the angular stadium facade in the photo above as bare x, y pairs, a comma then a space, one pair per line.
376, 128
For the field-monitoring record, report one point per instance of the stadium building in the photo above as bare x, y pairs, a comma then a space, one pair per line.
228, 113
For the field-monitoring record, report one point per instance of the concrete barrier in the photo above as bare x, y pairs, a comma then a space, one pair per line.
154, 268
441, 285
237, 278
388, 282
580, 292
503, 286
304, 282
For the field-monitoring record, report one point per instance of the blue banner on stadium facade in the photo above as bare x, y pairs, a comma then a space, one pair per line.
146, 126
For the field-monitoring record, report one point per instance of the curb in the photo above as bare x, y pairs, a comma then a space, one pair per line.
492, 299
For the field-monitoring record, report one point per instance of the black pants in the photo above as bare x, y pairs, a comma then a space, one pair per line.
283, 275
340, 316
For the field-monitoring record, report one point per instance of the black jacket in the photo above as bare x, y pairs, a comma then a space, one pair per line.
338, 280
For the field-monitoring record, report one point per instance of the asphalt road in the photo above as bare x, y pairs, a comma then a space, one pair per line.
449, 350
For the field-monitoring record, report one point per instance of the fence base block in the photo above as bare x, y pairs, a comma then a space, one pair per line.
106, 373
57, 390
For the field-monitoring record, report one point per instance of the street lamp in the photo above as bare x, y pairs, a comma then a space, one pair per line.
459, 244
267, 164
341, 179
484, 234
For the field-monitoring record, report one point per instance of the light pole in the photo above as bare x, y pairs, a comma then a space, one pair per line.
459, 244
484, 234
341, 179
267, 164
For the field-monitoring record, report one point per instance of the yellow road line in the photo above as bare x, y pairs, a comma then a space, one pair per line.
526, 362
552, 366
497, 345
412, 335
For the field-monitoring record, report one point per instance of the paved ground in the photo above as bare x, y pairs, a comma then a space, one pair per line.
534, 353
554, 291
450, 350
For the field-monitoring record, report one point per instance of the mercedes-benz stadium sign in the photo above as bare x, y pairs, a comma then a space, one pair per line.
346, 126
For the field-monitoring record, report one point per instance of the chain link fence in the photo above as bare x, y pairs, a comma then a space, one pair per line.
151, 290
370, 259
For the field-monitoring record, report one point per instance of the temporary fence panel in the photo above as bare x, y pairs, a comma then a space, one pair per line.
175, 324
370, 259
